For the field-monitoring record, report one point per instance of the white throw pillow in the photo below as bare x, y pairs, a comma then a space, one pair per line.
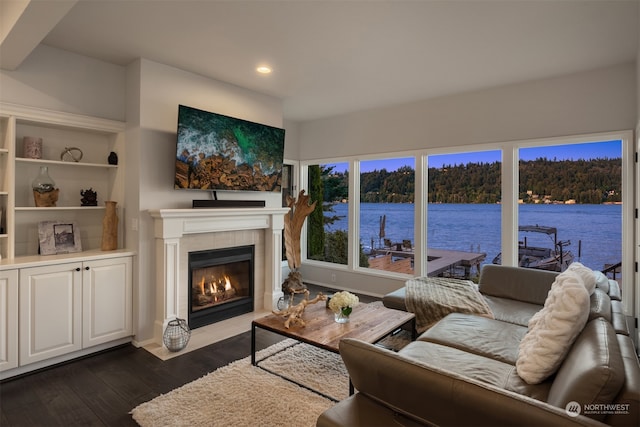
553, 329
586, 274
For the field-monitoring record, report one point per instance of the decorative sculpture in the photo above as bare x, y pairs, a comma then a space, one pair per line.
293, 221
89, 198
294, 313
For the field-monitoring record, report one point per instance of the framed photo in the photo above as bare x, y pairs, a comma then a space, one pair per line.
59, 237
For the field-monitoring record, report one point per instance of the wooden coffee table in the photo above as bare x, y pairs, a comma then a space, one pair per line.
368, 322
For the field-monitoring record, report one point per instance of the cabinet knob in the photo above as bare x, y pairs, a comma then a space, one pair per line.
78, 269
86, 268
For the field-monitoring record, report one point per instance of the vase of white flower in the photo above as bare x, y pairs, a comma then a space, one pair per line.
342, 304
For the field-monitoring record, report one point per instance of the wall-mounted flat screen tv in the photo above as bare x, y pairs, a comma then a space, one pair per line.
218, 152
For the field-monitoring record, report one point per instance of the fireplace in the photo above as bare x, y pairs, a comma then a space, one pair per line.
221, 284
178, 232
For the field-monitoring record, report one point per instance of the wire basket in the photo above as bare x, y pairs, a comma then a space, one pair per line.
176, 335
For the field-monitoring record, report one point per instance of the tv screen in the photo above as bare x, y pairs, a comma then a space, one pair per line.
217, 152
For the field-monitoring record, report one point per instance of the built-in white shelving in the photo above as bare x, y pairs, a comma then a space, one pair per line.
95, 137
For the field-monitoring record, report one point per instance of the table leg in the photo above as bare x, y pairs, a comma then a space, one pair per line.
414, 333
253, 344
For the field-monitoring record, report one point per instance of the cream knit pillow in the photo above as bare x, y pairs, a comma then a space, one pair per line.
553, 329
587, 275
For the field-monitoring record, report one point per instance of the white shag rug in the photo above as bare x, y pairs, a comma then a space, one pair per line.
240, 394
243, 395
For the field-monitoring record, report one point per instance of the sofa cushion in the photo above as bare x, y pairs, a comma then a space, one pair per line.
618, 318
395, 299
512, 311
629, 395
469, 365
593, 371
522, 284
360, 410
554, 328
614, 290
599, 305
498, 340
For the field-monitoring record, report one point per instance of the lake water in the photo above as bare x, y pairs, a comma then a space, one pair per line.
476, 227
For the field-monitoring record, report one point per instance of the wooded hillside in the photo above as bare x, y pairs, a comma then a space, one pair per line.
585, 181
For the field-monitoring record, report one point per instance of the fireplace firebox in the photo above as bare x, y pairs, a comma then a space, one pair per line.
221, 284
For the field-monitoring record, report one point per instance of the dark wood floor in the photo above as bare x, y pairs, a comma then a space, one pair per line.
100, 390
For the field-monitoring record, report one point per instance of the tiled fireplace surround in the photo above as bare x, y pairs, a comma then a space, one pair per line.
180, 231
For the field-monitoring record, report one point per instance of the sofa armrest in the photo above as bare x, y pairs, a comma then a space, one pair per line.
522, 284
435, 396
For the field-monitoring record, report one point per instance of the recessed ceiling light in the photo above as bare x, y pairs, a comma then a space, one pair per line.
263, 69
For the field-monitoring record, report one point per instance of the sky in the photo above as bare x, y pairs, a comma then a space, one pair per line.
585, 151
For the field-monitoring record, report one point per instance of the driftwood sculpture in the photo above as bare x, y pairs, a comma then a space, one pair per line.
293, 221
294, 313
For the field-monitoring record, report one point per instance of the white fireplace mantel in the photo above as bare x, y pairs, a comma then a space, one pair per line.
172, 225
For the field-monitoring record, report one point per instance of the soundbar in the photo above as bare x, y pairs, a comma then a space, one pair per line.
228, 204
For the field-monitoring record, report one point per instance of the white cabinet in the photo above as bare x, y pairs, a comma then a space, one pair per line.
72, 306
8, 319
50, 311
107, 300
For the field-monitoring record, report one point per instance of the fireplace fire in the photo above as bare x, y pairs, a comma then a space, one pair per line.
221, 284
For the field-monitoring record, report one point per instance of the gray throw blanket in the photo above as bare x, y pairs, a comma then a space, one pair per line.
432, 298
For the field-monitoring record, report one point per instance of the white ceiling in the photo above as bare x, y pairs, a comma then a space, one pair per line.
333, 57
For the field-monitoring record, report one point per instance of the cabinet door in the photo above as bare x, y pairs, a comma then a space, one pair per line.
8, 319
50, 311
107, 300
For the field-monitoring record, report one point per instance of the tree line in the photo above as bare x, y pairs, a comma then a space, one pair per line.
593, 181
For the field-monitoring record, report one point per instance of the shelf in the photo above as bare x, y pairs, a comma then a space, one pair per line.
59, 162
96, 138
58, 208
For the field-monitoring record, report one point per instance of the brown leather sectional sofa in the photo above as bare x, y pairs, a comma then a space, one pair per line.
461, 372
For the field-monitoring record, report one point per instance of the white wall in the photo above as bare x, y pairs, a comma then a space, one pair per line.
152, 136
59, 80
589, 102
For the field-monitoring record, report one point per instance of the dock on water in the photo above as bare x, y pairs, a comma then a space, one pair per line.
440, 262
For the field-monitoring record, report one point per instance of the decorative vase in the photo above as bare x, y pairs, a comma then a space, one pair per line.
110, 227
342, 316
44, 192
32, 147
113, 158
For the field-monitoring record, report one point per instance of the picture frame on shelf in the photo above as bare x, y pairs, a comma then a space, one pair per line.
59, 237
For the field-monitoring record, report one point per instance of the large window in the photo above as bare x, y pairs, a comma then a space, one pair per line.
387, 214
453, 212
327, 227
571, 206
463, 213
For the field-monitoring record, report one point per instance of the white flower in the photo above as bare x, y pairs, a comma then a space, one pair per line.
342, 300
